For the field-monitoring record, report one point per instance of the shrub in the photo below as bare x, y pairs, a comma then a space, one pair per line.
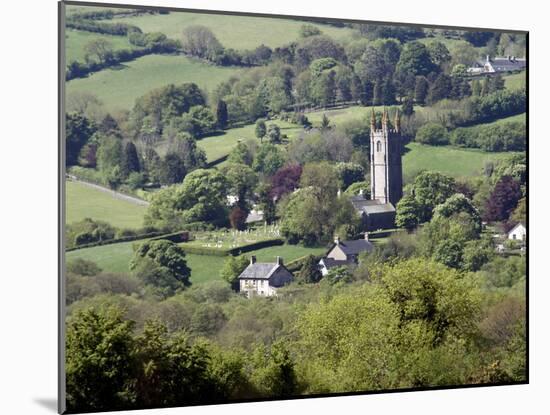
432, 133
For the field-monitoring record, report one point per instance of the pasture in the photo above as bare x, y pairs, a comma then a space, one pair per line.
83, 201
515, 81
456, 162
220, 145
119, 87
75, 40
237, 32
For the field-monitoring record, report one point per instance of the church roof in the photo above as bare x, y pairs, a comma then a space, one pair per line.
370, 206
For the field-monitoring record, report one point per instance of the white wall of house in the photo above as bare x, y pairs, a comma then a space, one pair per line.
259, 287
518, 233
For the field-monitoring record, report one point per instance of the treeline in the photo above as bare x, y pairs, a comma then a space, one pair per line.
393, 323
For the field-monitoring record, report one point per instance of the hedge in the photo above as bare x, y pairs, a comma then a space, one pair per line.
115, 241
202, 250
296, 264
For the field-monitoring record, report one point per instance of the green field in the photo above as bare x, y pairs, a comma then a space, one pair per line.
515, 81
456, 162
237, 32
75, 40
118, 88
220, 145
86, 202
116, 257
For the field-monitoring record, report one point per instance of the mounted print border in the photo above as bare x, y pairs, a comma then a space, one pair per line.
258, 207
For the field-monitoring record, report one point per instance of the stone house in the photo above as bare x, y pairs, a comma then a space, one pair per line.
344, 253
518, 233
264, 278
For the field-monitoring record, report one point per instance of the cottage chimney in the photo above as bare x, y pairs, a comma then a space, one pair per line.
366, 236
252, 259
279, 260
337, 240
488, 59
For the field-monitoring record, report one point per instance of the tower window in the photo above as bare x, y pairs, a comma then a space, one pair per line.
378, 146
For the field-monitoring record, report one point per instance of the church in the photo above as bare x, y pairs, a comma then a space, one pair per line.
386, 175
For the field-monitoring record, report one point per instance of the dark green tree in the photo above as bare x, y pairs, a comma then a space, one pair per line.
221, 114
172, 169
421, 89
130, 160
260, 129
309, 272
79, 130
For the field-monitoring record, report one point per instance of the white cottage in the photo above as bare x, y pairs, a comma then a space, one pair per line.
264, 278
518, 233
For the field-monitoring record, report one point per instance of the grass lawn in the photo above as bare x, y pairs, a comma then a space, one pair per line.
75, 40
86, 202
515, 81
220, 145
287, 252
237, 32
456, 162
340, 115
116, 257
118, 88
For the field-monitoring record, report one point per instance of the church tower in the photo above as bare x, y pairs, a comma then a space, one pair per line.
386, 172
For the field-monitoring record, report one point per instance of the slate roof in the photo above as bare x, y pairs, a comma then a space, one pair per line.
368, 207
505, 64
332, 263
355, 247
259, 271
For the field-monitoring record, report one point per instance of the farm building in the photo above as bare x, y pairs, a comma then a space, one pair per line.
264, 278
497, 64
344, 253
518, 232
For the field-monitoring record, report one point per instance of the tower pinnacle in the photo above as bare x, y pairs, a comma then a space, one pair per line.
397, 122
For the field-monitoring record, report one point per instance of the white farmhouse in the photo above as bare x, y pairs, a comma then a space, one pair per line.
264, 278
518, 233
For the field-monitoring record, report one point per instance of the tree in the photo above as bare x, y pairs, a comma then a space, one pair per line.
349, 173
201, 197
431, 189
237, 217
274, 133
260, 129
503, 199
99, 365
307, 30
241, 180
325, 122
407, 108
233, 266
433, 134
520, 212
167, 256
415, 59
309, 272
449, 253
172, 169
100, 49
458, 203
274, 373
440, 89
199, 41
476, 88
79, 130
130, 160
421, 89
408, 214
268, 159
221, 114
285, 180
83, 267
439, 53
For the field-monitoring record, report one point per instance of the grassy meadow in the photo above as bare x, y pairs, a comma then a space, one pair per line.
116, 258
75, 40
237, 32
83, 201
515, 81
456, 162
119, 87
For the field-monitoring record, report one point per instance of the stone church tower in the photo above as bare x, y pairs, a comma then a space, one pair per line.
386, 172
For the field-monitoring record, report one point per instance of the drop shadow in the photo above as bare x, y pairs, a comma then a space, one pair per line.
48, 403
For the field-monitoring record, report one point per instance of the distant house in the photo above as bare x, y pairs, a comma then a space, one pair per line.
264, 278
497, 64
518, 232
344, 253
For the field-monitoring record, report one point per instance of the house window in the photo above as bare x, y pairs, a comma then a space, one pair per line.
378, 146
513, 236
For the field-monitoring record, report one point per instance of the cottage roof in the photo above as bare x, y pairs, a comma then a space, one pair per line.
516, 226
354, 247
505, 63
260, 270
